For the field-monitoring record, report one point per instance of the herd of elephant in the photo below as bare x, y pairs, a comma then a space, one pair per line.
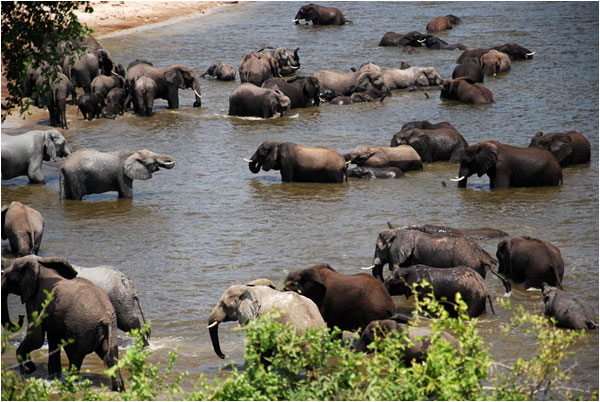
94, 302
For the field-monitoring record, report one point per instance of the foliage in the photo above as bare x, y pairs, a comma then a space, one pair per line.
31, 31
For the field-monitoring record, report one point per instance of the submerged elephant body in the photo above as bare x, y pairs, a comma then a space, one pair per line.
375, 173
23, 226
569, 148
369, 81
302, 91
320, 15
442, 23
568, 311
437, 144
221, 71
250, 100
467, 91
411, 77
403, 157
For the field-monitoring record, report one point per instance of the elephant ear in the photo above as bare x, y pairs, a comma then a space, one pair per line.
174, 76
249, 307
28, 272
4, 210
60, 265
49, 147
313, 287
420, 143
486, 158
274, 65
271, 159
561, 147
503, 255
135, 169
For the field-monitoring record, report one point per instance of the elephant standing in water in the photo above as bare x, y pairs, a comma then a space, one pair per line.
302, 91
93, 172
297, 163
369, 81
145, 91
23, 226
245, 302
568, 311
250, 100
320, 15
411, 77
569, 148
288, 62
56, 99
509, 166
442, 23
465, 90
256, 68
403, 157
221, 71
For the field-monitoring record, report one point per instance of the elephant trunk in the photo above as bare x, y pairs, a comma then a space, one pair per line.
254, 166
214, 337
5, 319
197, 93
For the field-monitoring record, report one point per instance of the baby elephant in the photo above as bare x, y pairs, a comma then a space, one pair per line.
568, 311
93, 172
90, 105
23, 226
376, 173
221, 71
465, 90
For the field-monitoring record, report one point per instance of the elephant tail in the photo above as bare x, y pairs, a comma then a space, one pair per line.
137, 299
489, 298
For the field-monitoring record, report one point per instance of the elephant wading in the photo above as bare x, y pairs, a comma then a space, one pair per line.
349, 302
446, 282
411, 77
530, 262
438, 144
245, 302
369, 81
569, 148
403, 157
513, 50
23, 226
80, 311
22, 155
320, 15
256, 68
495, 62
56, 99
412, 38
376, 173
568, 311
297, 163
144, 92
442, 23
90, 105
93, 172
250, 100
302, 91
288, 62
102, 84
465, 90
221, 71
82, 69
509, 166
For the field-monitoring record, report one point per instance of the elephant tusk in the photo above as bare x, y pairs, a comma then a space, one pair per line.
368, 268
421, 40
248, 160
295, 68
213, 324
457, 178
295, 20
507, 294
349, 162
197, 94
530, 54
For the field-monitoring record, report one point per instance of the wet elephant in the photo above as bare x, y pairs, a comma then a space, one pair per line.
288, 62
403, 157
465, 90
102, 84
442, 23
347, 83
23, 226
56, 99
469, 68
320, 15
495, 62
568, 311
82, 69
569, 148
513, 50
441, 144
376, 173
411, 77
412, 38
144, 91
302, 91
221, 71
250, 100
472, 234
90, 105
256, 68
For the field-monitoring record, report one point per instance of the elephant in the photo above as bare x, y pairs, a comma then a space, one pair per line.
102, 84
403, 157
509, 166
411, 77
169, 80
412, 38
243, 303
22, 155
302, 91
36, 79
90, 105
421, 339
569, 148
222, 71
111, 110
23, 226
56, 98
84, 68
80, 311
116, 96
407, 246
347, 83
92, 172
349, 302
256, 68
471, 234
121, 292
298, 163
568, 311
320, 15
442, 144
251, 100
465, 90
530, 262
357, 97
426, 125
446, 282
375, 173
469, 68
288, 62
514, 51
144, 92
442, 23
435, 43
138, 61
495, 62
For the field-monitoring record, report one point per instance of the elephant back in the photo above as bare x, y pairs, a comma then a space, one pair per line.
292, 308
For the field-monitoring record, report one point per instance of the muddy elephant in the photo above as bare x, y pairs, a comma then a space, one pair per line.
90, 105
297, 163
23, 226
302, 91
144, 92
250, 100
168, 79
446, 282
22, 155
441, 144
243, 303
568, 311
411, 77
91, 325
412, 38
403, 157
320, 15
92, 172
288, 62
349, 302
465, 90
569, 148
495, 62
221, 71
509, 166
469, 68
84, 68
339, 83
442, 23
102, 84
362, 172
256, 68
56, 99
530, 262
421, 339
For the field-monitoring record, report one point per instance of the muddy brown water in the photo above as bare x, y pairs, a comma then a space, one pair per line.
209, 223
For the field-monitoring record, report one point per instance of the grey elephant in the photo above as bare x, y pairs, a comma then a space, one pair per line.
320, 15
302, 91
513, 50
569, 148
221, 71
121, 292
298, 163
442, 143
495, 62
446, 282
472, 234
56, 99
144, 92
375, 173
250, 100
92, 172
243, 303
256, 68
84, 68
403, 157
23, 226
288, 62
470, 68
22, 155
568, 311
411, 77
81, 311
102, 84
168, 80
90, 105
465, 90
346, 83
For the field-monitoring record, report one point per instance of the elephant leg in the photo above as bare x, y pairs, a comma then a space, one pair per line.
456, 155
173, 98
33, 340
75, 357
110, 356
35, 174
54, 348
130, 323
125, 191
500, 181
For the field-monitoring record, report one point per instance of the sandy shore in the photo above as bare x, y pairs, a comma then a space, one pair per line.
113, 17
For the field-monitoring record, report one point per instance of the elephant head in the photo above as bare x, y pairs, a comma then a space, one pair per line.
141, 164
453, 19
495, 62
558, 144
55, 145
478, 158
360, 155
266, 156
310, 87
515, 51
371, 81
310, 282
307, 12
279, 103
104, 61
184, 77
383, 245
428, 76
399, 283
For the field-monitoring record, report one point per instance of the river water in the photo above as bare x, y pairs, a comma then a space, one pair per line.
209, 223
